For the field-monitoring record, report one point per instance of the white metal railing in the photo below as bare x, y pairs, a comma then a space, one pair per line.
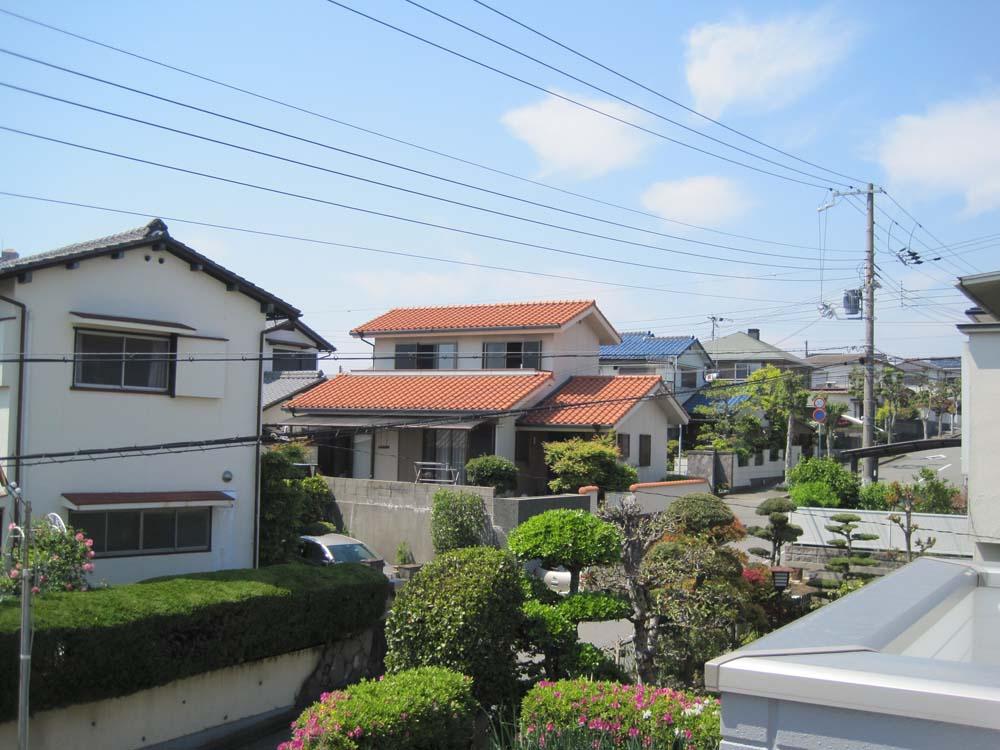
434, 472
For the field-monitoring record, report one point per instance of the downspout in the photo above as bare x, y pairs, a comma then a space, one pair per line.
372, 345
18, 427
256, 451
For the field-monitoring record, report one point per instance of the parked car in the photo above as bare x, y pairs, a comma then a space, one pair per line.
330, 549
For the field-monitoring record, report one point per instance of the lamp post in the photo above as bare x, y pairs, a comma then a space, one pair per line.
781, 578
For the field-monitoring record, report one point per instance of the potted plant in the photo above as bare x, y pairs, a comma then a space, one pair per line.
406, 566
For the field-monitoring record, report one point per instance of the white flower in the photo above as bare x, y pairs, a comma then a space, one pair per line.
647, 714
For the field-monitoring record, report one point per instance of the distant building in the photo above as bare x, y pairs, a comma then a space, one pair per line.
739, 354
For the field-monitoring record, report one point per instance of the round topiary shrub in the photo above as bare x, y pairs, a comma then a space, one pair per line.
573, 539
700, 513
418, 709
462, 612
458, 519
492, 471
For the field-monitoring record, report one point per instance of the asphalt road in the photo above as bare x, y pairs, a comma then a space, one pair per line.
947, 462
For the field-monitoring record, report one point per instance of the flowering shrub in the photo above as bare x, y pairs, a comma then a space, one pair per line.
606, 714
423, 708
60, 561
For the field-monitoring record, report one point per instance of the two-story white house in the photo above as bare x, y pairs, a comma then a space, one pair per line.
451, 383
681, 361
136, 340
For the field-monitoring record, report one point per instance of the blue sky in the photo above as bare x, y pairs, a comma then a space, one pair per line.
901, 94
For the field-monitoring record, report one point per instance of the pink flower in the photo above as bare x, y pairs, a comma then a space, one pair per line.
11, 526
79, 536
633, 732
35, 590
89, 542
90, 554
15, 573
89, 567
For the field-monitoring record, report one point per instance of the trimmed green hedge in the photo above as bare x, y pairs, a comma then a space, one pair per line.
419, 709
113, 642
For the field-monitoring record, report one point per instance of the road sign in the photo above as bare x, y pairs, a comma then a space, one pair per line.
819, 415
819, 402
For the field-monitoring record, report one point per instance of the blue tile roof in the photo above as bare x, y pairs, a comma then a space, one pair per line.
642, 346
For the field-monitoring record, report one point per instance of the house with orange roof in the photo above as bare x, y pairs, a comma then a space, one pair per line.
454, 382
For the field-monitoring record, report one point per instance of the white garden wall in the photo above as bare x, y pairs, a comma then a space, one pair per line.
951, 531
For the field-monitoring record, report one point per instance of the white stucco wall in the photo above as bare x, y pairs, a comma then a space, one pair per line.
578, 340
980, 438
647, 418
60, 418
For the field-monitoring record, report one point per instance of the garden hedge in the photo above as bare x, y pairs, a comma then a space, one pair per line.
463, 612
429, 708
116, 641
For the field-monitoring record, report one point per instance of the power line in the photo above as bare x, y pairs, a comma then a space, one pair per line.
381, 251
929, 233
401, 141
366, 157
659, 94
576, 102
613, 95
397, 217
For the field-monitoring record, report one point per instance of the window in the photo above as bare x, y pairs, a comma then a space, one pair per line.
742, 370
145, 532
624, 445
512, 355
285, 361
426, 356
689, 378
125, 362
645, 449
636, 370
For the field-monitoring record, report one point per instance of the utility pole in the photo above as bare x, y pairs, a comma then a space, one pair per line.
868, 424
868, 428
22, 511
715, 320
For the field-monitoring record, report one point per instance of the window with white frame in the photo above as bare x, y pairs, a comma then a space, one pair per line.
122, 361
152, 531
742, 370
512, 355
689, 378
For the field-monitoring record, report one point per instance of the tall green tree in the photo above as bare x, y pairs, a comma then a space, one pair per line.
782, 396
895, 396
729, 424
834, 411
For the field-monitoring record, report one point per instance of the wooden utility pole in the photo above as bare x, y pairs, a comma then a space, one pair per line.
868, 428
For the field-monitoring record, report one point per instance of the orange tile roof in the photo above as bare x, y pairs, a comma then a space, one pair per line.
420, 393
506, 316
619, 393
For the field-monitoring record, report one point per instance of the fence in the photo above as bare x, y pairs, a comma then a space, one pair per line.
728, 468
951, 532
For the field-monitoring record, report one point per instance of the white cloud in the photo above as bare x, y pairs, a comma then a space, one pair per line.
763, 65
954, 147
697, 200
569, 139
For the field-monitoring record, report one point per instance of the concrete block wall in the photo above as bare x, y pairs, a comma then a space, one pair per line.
509, 512
382, 513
